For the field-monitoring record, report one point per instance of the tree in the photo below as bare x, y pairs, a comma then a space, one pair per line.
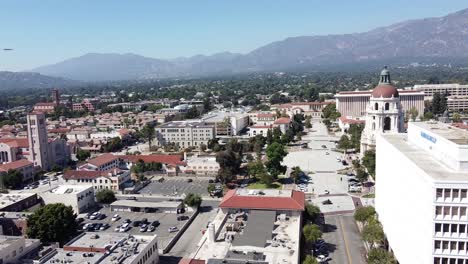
310, 260
193, 200
105, 196
202, 147
311, 233
439, 103
266, 178
192, 112
269, 137
114, 144
344, 143
255, 169
361, 175
369, 161
312, 212
413, 112
373, 233
364, 214
308, 124
12, 179
329, 112
456, 118
380, 256
275, 153
296, 174
147, 132
52, 223
428, 116
229, 164
211, 187
82, 154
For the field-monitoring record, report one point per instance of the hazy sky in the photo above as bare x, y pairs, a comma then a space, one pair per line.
46, 31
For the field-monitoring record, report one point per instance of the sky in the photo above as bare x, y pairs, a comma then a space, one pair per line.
48, 31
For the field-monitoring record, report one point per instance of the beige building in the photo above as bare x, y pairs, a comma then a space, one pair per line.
184, 133
353, 104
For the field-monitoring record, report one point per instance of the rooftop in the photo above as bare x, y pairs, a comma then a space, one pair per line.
447, 131
139, 204
103, 159
267, 199
67, 189
9, 199
100, 248
425, 162
182, 124
164, 159
15, 165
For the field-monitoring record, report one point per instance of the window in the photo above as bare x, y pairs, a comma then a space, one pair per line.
463, 193
438, 227
437, 244
387, 106
455, 193
439, 192
376, 106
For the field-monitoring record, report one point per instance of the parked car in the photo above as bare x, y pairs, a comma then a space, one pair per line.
323, 258
95, 216
86, 226
117, 228
116, 217
327, 153
136, 223
210, 181
104, 226
143, 228
155, 223
151, 228
124, 228
326, 202
127, 221
173, 229
355, 188
144, 221
189, 180
97, 226
182, 217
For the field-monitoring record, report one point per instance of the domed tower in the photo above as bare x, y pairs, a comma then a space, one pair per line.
383, 114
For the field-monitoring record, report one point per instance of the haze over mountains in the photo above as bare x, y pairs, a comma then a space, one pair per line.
431, 38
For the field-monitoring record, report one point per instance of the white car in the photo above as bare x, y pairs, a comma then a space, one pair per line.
124, 228
95, 216
116, 217
355, 188
85, 227
327, 153
173, 229
322, 258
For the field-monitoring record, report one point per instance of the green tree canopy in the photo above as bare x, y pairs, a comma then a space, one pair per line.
312, 212
148, 132
82, 155
193, 200
380, 256
275, 153
311, 233
52, 223
310, 260
369, 161
373, 233
364, 214
13, 179
105, 196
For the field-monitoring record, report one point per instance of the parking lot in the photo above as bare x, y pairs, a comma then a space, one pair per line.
178, 186
166, 221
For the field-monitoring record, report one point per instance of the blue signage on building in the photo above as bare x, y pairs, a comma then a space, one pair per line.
428, 137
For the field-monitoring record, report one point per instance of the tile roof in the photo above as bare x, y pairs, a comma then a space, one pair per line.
16, 142
103, 159
15, 165
83, 174
345, 120
164, 159
264, 115
259, 202
283, 120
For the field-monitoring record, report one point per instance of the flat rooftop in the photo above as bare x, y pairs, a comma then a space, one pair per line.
447, 131
138, 204
6, 241
182, 124
67, 189
9, 199
264, 192
431, 166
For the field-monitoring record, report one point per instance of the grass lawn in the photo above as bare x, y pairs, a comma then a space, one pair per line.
257, 185
369, 195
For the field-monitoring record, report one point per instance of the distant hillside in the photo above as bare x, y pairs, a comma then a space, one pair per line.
23, 80
441, 38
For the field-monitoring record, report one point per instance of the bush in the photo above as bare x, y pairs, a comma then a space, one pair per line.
380, 256
364, 214
105, 196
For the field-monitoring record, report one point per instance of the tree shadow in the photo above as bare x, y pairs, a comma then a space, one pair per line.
328, 228
169, 259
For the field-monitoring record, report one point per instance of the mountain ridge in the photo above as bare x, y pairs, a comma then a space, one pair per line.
435, 37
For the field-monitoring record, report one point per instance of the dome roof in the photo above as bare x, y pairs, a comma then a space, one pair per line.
385, 91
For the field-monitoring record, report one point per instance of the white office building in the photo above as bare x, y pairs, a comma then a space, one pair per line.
184, 133
79, 197
422, 193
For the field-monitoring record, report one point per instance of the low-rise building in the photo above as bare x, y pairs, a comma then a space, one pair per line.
202, 166
17, 202
24, 166
79, 197
94, 248
185, 133
227, 123
104, 162
255, 226
312, 109
15, 248
113, 179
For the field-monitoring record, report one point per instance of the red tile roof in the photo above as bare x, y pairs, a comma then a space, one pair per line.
263, 115
261, 127
60, 130
103, 159
259, 202
164, 159
15, 165
16, 142
283, 120
351, 121
83, 174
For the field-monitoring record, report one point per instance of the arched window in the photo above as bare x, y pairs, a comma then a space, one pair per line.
387, 124
376, 106
387, 106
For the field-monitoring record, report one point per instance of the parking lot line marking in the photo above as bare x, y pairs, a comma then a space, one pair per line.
345, 241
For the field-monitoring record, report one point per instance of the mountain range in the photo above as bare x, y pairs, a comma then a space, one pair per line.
430, 38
